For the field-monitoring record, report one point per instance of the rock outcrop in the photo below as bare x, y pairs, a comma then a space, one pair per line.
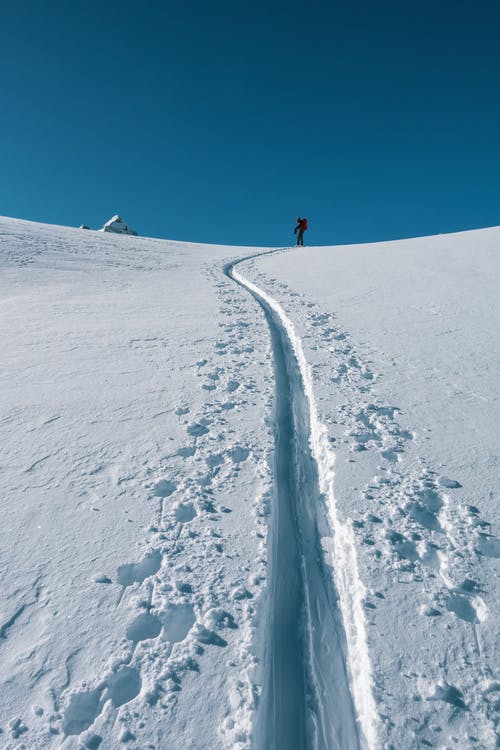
117, 225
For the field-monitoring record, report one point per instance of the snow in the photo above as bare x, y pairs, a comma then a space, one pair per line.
191, 446
402, 338
116, 225
343, 551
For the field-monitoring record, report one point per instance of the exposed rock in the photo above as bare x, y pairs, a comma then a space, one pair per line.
117, 225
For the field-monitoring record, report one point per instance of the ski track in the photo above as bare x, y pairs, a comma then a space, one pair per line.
331, 704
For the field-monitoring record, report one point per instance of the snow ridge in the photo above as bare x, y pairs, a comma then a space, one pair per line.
343, 550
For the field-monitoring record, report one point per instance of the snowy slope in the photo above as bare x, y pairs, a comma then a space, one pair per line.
403, 341
134, 484
179, 566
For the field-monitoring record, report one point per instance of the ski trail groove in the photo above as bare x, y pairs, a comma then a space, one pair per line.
317, 691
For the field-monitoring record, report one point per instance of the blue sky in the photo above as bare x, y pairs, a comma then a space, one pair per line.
222, 121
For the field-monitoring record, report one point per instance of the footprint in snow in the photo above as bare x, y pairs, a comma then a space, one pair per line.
17, 728
449, 694
391, 455
319, 319
328, 333
403, 547
209, 637
488, 545
137, 572
177, 619
215, 375
186, 452
123, 686
184, 512
424, 517
239, 454
164, 488
431, 498
462, 608
197, 430
214, 460
144, 627
450, 484
93, 742
82, 710
220, 618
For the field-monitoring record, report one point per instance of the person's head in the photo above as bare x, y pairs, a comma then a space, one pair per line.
298, 218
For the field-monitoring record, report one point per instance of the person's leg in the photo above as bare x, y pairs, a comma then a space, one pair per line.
301, 237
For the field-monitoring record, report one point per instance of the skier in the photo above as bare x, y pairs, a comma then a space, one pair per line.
300, 229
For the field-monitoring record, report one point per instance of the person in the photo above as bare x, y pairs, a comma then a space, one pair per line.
300, 229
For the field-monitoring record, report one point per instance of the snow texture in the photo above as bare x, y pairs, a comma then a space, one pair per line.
171, 418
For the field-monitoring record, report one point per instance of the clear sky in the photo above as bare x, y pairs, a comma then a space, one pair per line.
222, 121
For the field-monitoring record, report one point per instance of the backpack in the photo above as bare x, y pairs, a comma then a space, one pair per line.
303, 224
